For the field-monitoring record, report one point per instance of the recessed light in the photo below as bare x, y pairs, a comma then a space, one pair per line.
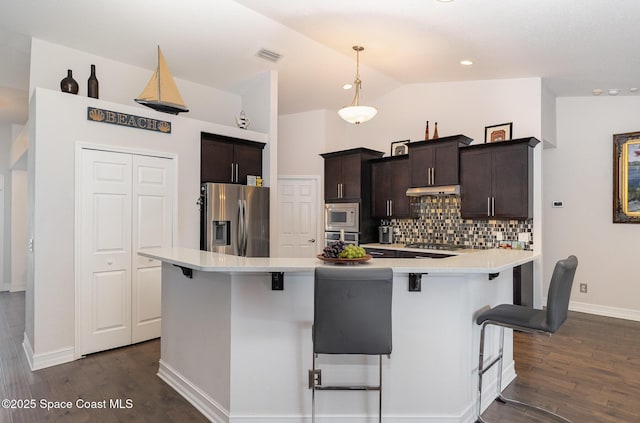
466, 62
614, 91
347, 86
597, 91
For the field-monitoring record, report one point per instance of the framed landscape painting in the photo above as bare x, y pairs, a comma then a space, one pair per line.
626, 178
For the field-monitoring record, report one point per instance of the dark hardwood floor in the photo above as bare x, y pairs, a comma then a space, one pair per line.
124, 373
588, 371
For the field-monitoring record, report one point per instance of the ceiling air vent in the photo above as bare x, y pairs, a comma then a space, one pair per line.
269, 55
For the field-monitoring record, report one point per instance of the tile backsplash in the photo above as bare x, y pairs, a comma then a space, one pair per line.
439, 222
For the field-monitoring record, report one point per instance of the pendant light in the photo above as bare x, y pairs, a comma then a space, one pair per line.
355, 113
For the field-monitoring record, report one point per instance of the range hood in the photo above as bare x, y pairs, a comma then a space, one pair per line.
441, 190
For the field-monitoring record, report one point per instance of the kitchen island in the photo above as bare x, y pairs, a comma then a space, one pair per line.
239, 350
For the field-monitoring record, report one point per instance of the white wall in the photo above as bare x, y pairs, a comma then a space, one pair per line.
58, 123
458, 107
5, 207
303, 137
122, 83
579, 172
18, 230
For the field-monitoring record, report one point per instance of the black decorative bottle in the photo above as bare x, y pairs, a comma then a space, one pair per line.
92, 83
68, 84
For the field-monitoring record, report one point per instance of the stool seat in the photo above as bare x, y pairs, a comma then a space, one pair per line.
517, 316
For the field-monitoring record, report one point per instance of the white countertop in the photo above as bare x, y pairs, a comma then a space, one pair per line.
481, 261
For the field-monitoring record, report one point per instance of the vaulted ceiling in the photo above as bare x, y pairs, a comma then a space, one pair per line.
574, 45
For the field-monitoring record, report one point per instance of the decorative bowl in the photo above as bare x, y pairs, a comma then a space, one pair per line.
344, 260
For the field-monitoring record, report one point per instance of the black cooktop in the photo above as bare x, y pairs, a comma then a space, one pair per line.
430, 246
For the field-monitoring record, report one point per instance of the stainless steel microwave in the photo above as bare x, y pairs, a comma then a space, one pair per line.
342, 216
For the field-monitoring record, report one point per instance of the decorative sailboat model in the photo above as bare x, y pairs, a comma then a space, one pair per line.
161, 93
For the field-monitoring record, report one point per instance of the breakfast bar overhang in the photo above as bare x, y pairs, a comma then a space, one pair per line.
240, 351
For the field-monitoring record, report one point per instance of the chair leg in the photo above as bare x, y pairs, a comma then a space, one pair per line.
480, 373
501, 397
380, 389
313, 393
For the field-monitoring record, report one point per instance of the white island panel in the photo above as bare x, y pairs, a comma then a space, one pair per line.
240, 351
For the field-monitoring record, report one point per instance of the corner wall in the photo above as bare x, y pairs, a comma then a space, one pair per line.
58, 122
579, 172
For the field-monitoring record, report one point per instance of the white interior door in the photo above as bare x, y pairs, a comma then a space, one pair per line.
152, 228
106, 250
126, 206
298, 217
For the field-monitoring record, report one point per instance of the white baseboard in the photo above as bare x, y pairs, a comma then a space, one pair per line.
619, 313
49, 359
200, 400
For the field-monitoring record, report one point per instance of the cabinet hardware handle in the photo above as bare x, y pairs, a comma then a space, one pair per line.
488, 206
375, 253
390, 207
493, 206
110, 262
237, 172
311, 240
232, 172
433, 176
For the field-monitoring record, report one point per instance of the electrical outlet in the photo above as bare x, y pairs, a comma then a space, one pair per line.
498, 236
524, 237
583, 288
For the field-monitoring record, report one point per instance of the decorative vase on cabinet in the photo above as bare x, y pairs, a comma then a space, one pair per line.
92, 83
68, 84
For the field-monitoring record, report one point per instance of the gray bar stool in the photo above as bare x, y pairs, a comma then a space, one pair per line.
351, 315
530, 320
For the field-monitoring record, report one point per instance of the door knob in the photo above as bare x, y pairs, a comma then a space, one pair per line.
109, 262
311, 240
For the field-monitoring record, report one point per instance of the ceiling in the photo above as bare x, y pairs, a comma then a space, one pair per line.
574, 45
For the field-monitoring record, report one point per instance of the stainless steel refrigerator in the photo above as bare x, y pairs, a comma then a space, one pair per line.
234, 219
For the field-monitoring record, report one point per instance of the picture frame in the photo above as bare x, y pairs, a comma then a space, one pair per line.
399, 148
497, 133
626, 178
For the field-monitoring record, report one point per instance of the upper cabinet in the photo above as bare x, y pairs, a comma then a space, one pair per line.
496, 180
435, 162
390, 179
229, 160
347, 174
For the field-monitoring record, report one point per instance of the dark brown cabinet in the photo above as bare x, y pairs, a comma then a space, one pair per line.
496, 180
435, 162
347, 175
390, 179
229, 160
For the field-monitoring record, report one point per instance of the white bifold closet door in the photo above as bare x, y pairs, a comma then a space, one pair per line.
126, 206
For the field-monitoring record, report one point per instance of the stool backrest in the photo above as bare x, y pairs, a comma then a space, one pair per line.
352, 310
560, 292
